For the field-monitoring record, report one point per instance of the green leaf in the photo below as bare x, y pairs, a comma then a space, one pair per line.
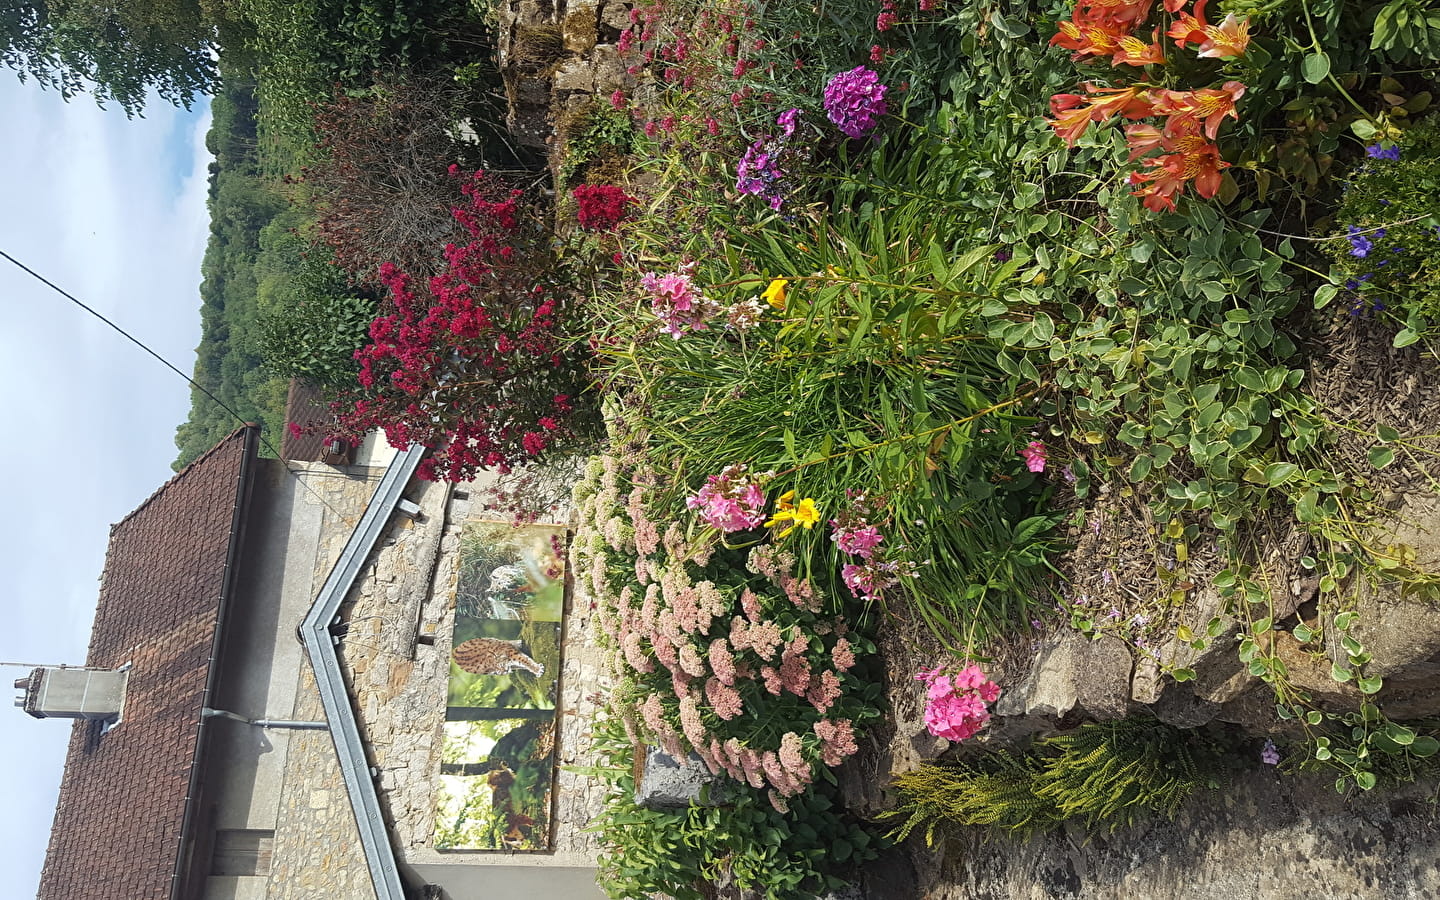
1386, 434
1370, 684
1182, 674
1366, 780
1400, 734
1314, 717
1405, 337
1278, 473
1380, 457
1340, 673
1425, 746
1324, 294
1315, 67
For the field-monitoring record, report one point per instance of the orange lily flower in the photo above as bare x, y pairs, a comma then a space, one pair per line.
1226, 40
1135, 52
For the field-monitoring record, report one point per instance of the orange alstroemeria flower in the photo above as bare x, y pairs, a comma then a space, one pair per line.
1126, 14
1088, 39
1189, 158
1073, 115
1142, 139
1135, 52
1207, 105
1226, 40
1187, 29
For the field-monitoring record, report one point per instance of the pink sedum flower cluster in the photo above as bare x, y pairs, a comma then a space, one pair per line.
955, 704
733, 500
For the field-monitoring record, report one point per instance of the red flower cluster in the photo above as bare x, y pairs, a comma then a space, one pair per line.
602, 206
1101, 28
475, 365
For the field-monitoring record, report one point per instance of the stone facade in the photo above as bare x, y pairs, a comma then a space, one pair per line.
395, 653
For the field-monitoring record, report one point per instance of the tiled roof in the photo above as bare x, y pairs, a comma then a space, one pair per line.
122, 798
306, 407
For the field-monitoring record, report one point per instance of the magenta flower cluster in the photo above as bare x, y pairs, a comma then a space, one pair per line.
677, 302
856, 534
855, 101
733, 500
955, 704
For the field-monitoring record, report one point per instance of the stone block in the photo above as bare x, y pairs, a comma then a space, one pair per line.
1073, 674
667, 783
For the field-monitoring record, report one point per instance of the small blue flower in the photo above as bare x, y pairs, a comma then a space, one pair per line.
1270, 754
1360, 245
1383, 151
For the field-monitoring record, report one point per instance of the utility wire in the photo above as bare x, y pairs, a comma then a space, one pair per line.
167, 364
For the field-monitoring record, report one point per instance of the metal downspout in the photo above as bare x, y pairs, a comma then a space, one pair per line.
320, 646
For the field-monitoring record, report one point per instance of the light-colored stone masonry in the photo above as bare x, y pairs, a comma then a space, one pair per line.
398, 683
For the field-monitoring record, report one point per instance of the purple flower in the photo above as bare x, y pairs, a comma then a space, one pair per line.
1383, 151
1360, 245
788, 120
855, 100
1270, 754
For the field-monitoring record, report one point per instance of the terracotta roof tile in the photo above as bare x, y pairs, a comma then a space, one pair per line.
122, 798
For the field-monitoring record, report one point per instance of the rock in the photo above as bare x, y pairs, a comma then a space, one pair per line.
615, 15
610, 74
668, 784
1073, 674
575, 75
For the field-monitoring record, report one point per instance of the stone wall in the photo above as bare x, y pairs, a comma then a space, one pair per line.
395, 655
317, 853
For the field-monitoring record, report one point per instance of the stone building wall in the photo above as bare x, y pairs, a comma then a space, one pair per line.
317, 853
395, 656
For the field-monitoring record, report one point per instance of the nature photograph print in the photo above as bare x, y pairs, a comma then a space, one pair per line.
986, 447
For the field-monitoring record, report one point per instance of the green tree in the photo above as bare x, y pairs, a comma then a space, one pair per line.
115, 49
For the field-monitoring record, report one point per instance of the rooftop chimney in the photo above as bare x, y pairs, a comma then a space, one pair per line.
59, 692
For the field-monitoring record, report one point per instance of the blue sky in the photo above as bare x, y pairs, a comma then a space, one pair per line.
112, 210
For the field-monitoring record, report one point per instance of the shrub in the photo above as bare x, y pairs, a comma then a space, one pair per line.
477, 363
379, 185
1386, 254
724, 649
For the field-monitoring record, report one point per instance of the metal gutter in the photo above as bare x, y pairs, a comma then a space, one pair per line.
320, 645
